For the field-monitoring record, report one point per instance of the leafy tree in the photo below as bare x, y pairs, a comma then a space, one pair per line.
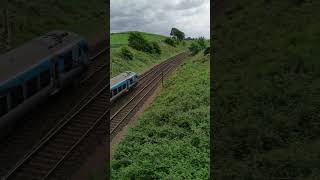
177, 34
138, 42
207, 51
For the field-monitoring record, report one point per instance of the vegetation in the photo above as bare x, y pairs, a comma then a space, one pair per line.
177, 34
121, 39
25, 20
156, 48
266, 90
141, 60
198, 45
171, 138
170, 41
126, 53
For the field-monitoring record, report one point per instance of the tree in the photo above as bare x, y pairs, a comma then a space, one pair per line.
126, 53
170, 41
177, 34
138, 42
156, 47
194, 48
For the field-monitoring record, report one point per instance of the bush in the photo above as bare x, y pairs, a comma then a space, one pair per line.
194, 48
170, 41
138, 42
156, 47
202, 43
126, 53
207, 51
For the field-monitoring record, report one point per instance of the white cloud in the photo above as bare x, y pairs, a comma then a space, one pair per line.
159, 16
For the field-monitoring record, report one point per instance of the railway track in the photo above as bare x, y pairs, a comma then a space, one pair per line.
147, 84
51, 114
82, 127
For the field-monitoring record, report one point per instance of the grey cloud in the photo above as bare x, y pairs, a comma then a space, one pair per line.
191, 16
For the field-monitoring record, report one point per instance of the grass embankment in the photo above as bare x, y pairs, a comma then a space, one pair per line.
141, 60
171, 138
267, 90
33, 18
120, 39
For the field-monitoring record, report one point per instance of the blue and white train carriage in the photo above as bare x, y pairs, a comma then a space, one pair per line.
122, 83
38, 69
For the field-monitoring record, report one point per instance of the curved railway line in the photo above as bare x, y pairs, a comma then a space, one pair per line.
84, 126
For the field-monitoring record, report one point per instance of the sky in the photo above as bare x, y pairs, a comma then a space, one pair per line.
159, 16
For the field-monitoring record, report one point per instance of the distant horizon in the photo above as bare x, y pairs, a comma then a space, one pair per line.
152, 33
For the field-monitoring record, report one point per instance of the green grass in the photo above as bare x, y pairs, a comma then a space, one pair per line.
120, 39
171, 138
33, 18
266, 89
141, 60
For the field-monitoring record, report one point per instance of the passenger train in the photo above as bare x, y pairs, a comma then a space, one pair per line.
122, 84
38, 69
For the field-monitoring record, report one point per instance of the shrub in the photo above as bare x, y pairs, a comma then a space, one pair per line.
170, 41
194, 48
138, 42
126, 53
207, 51
202, 42
156, 47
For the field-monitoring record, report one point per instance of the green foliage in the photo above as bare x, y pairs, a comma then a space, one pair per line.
176, 33
141, 60
138, 42
170, 41
121, 39
30, 19
266, 90
202, 43
126, 53
156, 48
207, 51
171, 139
194, 48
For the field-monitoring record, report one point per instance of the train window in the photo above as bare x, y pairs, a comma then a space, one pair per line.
119, 89
68, 61
44, 78
16, 96
131, 81
32, 86
124, 86
3, 105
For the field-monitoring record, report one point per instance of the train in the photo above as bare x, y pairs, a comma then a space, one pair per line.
38, 69
122, 83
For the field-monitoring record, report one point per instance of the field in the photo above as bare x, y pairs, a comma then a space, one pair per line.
120, 39
171, 138
266, 98
141, 60
33, 18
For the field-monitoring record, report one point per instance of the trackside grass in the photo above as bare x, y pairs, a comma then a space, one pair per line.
171, 138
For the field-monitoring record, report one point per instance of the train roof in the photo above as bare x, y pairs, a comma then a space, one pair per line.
33, 52
121, 77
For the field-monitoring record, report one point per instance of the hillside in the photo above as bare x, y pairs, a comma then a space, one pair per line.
266, 94
171, 138
33, 18
141, 60
119, 39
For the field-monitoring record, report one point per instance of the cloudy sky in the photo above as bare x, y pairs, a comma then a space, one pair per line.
159, 16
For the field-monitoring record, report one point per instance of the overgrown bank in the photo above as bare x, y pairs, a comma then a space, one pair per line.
267, 92
29, 19
171, 138
140, 60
